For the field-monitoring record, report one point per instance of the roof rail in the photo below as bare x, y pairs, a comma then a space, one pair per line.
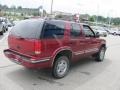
48, 18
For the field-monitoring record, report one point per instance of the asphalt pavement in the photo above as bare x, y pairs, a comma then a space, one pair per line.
84, 75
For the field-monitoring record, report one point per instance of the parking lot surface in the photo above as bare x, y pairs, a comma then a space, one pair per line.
84, 75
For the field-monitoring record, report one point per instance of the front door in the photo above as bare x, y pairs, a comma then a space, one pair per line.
91, 42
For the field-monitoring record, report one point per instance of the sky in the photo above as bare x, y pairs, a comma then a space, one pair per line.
105, 8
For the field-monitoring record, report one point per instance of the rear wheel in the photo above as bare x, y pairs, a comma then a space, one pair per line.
101, 54
61, 67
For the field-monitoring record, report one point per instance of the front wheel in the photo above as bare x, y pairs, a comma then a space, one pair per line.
101, 54
61, 67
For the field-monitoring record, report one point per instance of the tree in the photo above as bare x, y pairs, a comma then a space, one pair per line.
44, 13
13, 7
19, 8
59, 16
101, 19
35, 14
5, 7
22, 14
0, 12
0, 6
116, 21
91, 18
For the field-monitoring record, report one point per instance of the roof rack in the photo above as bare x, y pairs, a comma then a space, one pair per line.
48, 18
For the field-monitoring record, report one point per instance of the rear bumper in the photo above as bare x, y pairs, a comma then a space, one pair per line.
29, 62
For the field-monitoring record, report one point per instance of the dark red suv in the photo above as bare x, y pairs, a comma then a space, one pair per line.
54, 44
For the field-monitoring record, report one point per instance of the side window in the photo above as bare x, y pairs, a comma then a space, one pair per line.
75, 32
87, 31
54, 29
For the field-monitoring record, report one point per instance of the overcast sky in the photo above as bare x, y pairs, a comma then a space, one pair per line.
92, 7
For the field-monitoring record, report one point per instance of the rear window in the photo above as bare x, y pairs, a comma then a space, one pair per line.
28, 29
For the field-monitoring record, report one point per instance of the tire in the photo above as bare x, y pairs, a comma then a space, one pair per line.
3, 29
1, 33
100, 55
114, 33
61, 67
105, 35
6, 29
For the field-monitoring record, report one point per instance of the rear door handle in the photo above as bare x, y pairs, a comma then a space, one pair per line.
20, 38
87, 38
71, 42
82, 41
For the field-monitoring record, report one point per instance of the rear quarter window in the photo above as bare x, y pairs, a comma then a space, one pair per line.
28, 29
53, 29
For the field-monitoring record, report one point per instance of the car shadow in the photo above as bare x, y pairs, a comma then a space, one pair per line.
80, 73
5, 34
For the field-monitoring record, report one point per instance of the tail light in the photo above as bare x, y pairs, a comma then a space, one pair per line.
37, 47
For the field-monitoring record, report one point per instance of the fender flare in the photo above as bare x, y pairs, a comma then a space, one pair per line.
57, 51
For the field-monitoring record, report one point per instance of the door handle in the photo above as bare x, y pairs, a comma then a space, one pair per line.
71, 42
87, 38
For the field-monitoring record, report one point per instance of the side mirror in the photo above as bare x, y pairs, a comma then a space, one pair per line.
97, 35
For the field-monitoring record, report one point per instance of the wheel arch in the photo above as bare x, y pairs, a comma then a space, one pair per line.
103, 45
64, 51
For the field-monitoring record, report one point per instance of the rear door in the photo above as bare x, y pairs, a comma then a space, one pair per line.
76, 40
53, 36
91, 43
